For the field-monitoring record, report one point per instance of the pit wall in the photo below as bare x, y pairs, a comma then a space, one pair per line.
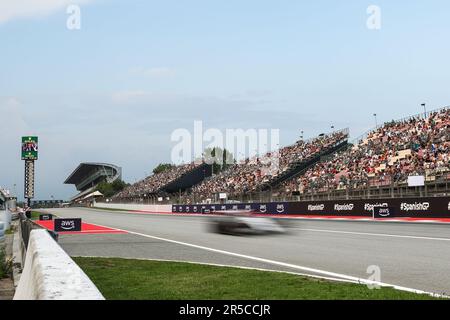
156, 208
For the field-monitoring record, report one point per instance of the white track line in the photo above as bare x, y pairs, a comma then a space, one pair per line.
288, 265
375, 234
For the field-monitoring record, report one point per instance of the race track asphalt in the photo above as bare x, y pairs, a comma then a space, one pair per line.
413, 255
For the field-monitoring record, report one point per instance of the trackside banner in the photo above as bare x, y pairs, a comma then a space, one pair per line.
436, 207
269, 208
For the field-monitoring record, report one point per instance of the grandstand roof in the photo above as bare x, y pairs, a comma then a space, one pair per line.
89, 173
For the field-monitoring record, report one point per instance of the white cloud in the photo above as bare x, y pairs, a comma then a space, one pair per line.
13, 9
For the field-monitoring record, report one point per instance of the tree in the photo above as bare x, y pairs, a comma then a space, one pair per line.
110, 189
119, 185
219, 158
162, 167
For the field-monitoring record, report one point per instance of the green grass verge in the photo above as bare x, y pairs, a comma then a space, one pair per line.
120, 279
3, 263
35, 215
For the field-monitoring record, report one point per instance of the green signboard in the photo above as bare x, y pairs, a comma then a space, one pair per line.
29, 148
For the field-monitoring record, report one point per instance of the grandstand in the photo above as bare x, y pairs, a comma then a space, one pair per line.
173, 180
377, 164
253, 174
380, 162
87, 176
259, 173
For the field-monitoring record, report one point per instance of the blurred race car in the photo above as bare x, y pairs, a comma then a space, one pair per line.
241, 222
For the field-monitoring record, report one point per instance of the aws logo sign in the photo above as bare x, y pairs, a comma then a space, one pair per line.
279, 208
69, 224
382, 212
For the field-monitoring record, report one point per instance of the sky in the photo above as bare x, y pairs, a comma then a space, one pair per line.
114, 89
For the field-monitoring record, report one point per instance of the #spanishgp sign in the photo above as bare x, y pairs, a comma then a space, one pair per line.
67, 224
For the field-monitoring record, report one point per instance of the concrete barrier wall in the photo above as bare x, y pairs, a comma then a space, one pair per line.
50, 274
158, 208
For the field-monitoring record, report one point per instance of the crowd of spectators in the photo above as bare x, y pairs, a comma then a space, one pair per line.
389, 154
416, 146
154, 183
253, 173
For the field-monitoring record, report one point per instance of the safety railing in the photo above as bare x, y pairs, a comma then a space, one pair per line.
26, 225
